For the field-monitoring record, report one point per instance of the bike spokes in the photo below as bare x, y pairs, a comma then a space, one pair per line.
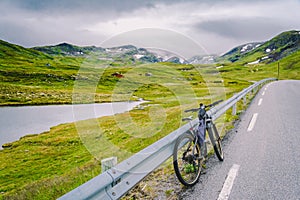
187, 160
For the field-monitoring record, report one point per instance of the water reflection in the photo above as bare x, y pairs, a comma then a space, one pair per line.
16, 122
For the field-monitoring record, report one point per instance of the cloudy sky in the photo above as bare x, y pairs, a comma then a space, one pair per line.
215, 25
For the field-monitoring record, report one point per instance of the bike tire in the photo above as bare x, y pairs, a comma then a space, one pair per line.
217, 144
187, 163
218, 150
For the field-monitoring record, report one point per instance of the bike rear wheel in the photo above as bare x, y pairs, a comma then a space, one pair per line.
187, 160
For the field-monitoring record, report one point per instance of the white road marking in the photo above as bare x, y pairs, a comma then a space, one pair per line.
252, 122
224, 195
260, 101
263, 93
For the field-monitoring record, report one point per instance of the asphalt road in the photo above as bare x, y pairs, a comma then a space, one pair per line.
262, 157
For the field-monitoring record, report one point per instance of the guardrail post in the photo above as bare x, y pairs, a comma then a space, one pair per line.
255, 90
245, 100
234, 109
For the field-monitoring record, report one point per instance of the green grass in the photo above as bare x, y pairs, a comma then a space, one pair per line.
289, 69
36, 79
41, 158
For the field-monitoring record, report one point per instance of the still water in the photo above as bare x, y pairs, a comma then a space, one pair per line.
16, 122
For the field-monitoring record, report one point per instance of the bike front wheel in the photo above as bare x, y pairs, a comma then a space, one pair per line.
187, 160
217, 144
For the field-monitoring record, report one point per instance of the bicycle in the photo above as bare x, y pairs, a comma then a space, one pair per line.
190, 150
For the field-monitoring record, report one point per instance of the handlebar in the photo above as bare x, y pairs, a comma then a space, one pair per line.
204, 106
215, 103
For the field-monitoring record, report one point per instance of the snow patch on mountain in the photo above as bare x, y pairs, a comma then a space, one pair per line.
247, 47
208, 59
254, 62
138, 56
166, 56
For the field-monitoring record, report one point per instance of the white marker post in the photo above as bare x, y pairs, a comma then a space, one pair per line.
108, 163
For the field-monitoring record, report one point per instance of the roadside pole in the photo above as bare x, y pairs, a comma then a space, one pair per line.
278, 71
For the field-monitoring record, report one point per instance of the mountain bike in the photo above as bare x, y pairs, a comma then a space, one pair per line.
190, 150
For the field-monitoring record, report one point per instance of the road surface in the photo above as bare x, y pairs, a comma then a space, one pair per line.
262, 154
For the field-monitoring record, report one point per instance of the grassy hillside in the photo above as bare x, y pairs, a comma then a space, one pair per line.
275, 49
289, 68
18, 52
28, 76
66, 49
31, 77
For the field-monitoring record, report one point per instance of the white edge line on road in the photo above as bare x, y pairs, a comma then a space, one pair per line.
252, 122
260, 101
224, 195
263, 93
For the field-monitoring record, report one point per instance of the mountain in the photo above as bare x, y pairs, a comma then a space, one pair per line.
8, 50
120, 53
275, 49
234, 54
208, 59
125, 52
166, 56
27, 74
66, 49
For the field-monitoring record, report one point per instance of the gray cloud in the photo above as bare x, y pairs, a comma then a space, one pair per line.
94, 6
153, 38
217, 25
256, 28
104, 5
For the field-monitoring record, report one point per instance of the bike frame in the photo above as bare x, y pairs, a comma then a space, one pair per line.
210, 129
193, 131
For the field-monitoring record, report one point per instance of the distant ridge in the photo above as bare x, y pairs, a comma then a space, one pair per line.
67, 49
13, 50
275, 49
272, 50
126, 52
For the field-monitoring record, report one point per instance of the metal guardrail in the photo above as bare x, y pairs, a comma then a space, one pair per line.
117, 181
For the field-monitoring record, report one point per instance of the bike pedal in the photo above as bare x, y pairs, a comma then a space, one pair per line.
201, 158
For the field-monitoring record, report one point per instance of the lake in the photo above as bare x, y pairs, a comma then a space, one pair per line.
16, 122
